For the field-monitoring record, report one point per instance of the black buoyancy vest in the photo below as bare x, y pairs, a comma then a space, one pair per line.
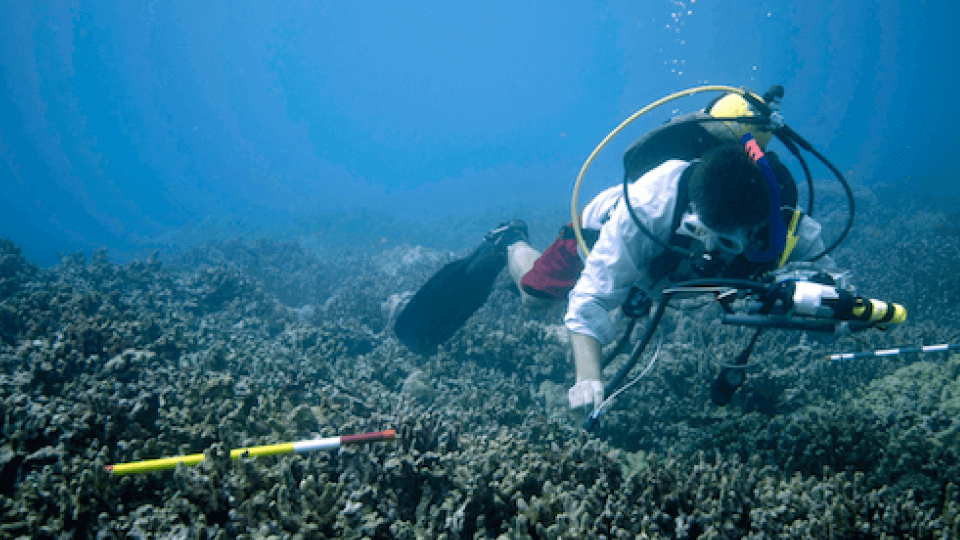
679, 138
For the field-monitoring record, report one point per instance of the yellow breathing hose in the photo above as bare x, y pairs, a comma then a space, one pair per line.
574, 201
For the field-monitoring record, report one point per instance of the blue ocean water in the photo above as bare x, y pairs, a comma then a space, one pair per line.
125, 122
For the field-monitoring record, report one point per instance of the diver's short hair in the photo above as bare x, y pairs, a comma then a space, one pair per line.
728, 189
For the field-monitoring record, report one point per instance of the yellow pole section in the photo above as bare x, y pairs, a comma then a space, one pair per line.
163, 464
267, 450
329, 443
151, 465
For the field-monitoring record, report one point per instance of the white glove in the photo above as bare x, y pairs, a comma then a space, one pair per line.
585, 393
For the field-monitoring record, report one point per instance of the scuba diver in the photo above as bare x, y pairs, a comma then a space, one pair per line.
701, 199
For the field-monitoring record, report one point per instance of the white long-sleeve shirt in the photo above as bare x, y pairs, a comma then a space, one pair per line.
622, 254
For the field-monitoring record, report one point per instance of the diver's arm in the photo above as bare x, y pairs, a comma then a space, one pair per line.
619, 259
586, 357
603, 285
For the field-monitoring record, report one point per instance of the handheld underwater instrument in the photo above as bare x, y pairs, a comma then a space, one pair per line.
802, 297
328, 443
796, 297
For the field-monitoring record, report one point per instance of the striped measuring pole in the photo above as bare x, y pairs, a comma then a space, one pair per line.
894, 352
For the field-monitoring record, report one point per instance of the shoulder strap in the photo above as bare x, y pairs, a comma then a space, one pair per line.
792, 237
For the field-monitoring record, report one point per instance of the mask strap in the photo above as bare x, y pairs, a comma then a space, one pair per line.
778, 230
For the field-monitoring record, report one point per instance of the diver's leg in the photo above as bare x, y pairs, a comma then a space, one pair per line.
520, 259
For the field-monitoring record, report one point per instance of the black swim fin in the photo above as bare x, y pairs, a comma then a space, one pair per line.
448, 299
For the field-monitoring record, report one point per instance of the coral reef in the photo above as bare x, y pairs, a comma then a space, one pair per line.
243, 343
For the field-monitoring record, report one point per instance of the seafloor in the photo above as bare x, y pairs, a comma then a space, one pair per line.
248, 342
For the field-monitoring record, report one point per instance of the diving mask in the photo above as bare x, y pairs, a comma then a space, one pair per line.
731, 242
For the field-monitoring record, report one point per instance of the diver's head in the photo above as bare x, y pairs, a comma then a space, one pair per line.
728, 189
729, 200
733, 106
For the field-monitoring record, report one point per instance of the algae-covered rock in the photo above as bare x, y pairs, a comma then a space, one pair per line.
14, 268
923, 386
